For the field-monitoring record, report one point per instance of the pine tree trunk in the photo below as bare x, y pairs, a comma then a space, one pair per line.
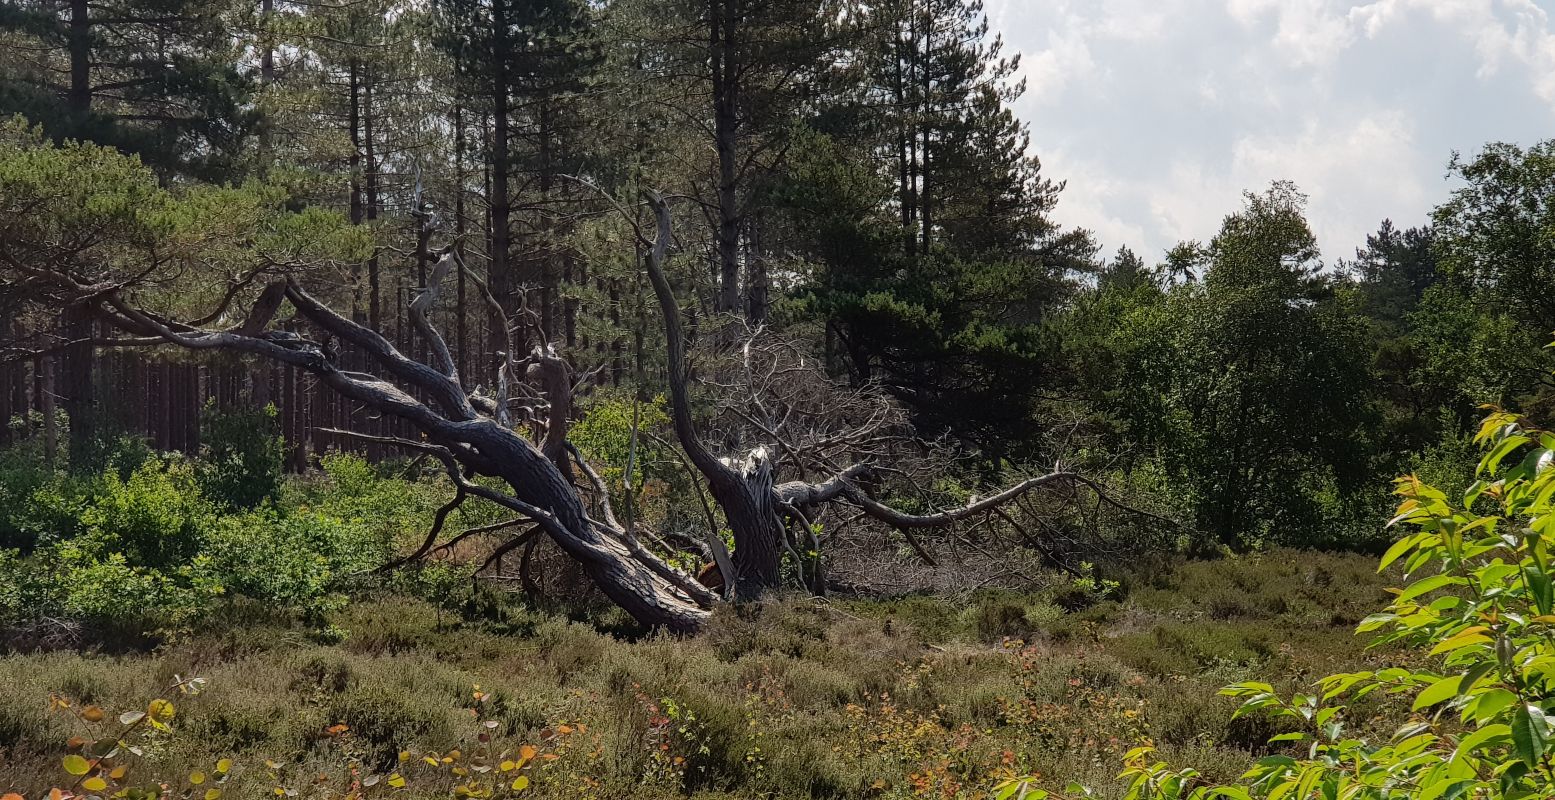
374, 298
80, 43
461, 330
500, 277
723, 28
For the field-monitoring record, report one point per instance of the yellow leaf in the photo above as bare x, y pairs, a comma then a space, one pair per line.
119, 772
76, 765
161, 709
223, 766
94, 784
396, 781
404, 755
521, 783
507, 766
212, 794
196, 778
1465, 639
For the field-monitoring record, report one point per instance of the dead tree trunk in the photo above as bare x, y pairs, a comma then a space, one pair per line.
473, 435
744, 493
468, 441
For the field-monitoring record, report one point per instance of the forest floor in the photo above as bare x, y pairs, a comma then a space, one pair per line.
915, 697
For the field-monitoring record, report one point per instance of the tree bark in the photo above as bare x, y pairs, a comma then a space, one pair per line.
745, 495
723, 28
500, 275
80, 43
374, 293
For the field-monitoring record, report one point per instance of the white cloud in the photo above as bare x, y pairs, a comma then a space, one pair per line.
1091, 195
1067, 58
1308, 33
1346, 171
1161, 112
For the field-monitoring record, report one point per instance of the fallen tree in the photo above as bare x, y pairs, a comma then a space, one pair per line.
475, 435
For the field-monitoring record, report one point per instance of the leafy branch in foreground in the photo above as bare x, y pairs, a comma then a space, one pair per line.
1479, 604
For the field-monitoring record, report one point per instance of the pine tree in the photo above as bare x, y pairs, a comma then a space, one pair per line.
525, 65
151, 77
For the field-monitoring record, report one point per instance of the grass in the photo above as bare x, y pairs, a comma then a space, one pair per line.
913, 697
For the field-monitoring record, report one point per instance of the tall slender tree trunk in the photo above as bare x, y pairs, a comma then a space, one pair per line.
500, 276
723, 27
266, 77
259, 373
354, 123
550, 278
18, 386
78, 357
461, 329
758, 281
46, 405
80, 43
904, 138
374, 294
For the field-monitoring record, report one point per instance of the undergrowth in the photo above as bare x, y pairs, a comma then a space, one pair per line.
913, 697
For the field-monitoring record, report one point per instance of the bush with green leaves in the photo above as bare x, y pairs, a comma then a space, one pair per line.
241, 455
152, 549
293, 560
113, 549
1478, 608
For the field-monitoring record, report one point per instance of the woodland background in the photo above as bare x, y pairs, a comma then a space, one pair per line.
853, 201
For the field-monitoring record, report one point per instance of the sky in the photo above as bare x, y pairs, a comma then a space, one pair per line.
1159, 114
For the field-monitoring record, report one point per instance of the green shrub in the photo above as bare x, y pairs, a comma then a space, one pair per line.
115, 549
150, 548
1478, 605
296, 560
155, 518
241, 456
22, 475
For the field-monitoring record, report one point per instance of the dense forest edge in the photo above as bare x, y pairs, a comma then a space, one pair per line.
669, 398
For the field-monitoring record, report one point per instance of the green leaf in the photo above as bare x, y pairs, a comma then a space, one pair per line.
1530, 734
1502, 449
1441, 690
1399, 549
1464, 639
1484, 736
1430, 584
1541, 588
1443, 787
1491, 703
